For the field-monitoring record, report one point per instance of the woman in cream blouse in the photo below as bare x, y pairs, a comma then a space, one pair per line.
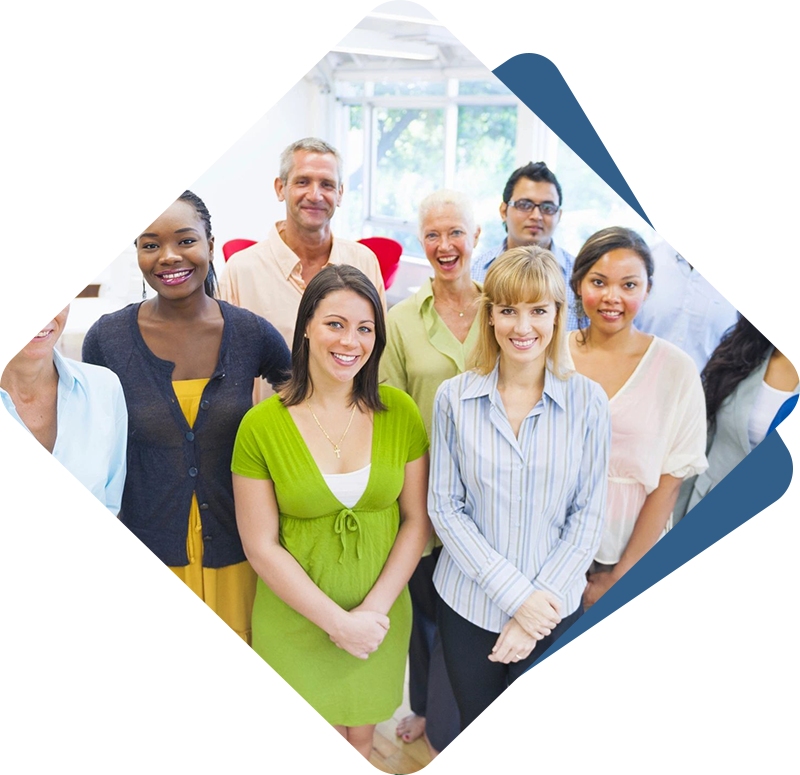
656, 399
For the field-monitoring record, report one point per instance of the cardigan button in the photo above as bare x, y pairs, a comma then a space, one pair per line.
192, 471
203, 506
204, 404
189, 436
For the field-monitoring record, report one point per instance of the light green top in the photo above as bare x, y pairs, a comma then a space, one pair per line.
421, 351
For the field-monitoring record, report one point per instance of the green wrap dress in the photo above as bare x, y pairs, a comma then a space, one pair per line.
343, 550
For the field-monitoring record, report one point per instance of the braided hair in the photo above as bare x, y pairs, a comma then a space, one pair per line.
195, 201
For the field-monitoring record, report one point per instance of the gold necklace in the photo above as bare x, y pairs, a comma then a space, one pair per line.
336, 448
455, 309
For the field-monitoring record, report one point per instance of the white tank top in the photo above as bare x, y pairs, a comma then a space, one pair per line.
768, 401
348, 488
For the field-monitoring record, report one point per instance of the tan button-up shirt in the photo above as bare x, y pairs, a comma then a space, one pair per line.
266, 279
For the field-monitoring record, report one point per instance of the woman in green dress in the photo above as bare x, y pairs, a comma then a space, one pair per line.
330, 481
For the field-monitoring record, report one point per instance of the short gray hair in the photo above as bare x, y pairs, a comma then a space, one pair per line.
313, 145
443, 197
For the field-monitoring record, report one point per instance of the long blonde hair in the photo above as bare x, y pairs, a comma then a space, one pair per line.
522, 275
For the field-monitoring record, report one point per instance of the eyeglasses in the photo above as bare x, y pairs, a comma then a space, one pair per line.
526, 206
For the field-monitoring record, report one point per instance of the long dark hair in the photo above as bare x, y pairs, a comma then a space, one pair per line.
741, 351
336, 277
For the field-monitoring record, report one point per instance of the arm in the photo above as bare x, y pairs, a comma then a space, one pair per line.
649, 526
358, 633
276, 361
91, 351
415, 529
583, 525
393, 360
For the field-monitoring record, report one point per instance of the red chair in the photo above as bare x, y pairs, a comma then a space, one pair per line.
235, 245
388, 252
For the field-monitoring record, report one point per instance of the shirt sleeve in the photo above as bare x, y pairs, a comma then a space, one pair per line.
248, 455
417, 435
117, 466
687, 445
275, 357
227, 285
583, 526
393, 360
502, 581
91, 351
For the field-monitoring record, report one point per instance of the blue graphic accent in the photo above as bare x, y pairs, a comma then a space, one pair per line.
540, 85
758, 481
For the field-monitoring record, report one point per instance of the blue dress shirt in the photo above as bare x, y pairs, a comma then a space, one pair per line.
684, 308
522, 514
91, 428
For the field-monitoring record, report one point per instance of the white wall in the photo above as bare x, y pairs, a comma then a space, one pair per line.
238, 189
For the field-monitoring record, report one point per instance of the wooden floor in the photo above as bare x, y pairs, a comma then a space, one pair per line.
390, 753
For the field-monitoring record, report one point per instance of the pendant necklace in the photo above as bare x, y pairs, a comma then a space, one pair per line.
336, 447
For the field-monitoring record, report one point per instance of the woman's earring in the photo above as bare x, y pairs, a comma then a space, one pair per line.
144, 290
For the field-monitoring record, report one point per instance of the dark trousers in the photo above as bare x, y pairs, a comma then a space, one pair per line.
428, 684
476, 681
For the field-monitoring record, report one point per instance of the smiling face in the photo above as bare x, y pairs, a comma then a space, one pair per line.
312, 190
174, 253
524, 331
613, 290
532, 228
341, 337
448, 242
41, 346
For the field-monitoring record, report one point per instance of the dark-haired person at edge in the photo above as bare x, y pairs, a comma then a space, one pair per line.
531, 212
430, 336
75, 411
187, 363
519, 464
749, 388
658, 432
330, 478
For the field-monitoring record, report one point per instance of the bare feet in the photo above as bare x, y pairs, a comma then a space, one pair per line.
411, 728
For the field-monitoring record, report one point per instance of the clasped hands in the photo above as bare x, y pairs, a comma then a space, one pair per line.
360, 631
534, 620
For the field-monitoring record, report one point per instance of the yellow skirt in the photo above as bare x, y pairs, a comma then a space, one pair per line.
228, 591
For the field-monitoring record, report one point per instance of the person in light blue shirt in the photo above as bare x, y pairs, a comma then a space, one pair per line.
519, 463
531, 212
684, 308
76, 411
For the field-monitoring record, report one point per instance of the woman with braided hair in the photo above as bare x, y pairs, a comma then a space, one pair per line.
187, 362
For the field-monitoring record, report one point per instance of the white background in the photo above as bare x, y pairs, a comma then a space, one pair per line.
109, 111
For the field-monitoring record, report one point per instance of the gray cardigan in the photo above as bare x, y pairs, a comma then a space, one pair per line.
168, 460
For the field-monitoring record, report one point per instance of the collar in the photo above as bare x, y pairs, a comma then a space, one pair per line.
67, 376
486, 385
424, 293
287, 259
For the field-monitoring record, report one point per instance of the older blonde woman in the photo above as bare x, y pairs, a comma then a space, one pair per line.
430, 335
518, 483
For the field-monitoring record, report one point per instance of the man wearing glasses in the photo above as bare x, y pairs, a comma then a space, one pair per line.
531, 210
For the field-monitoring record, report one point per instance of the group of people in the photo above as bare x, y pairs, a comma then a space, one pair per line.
564, 433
